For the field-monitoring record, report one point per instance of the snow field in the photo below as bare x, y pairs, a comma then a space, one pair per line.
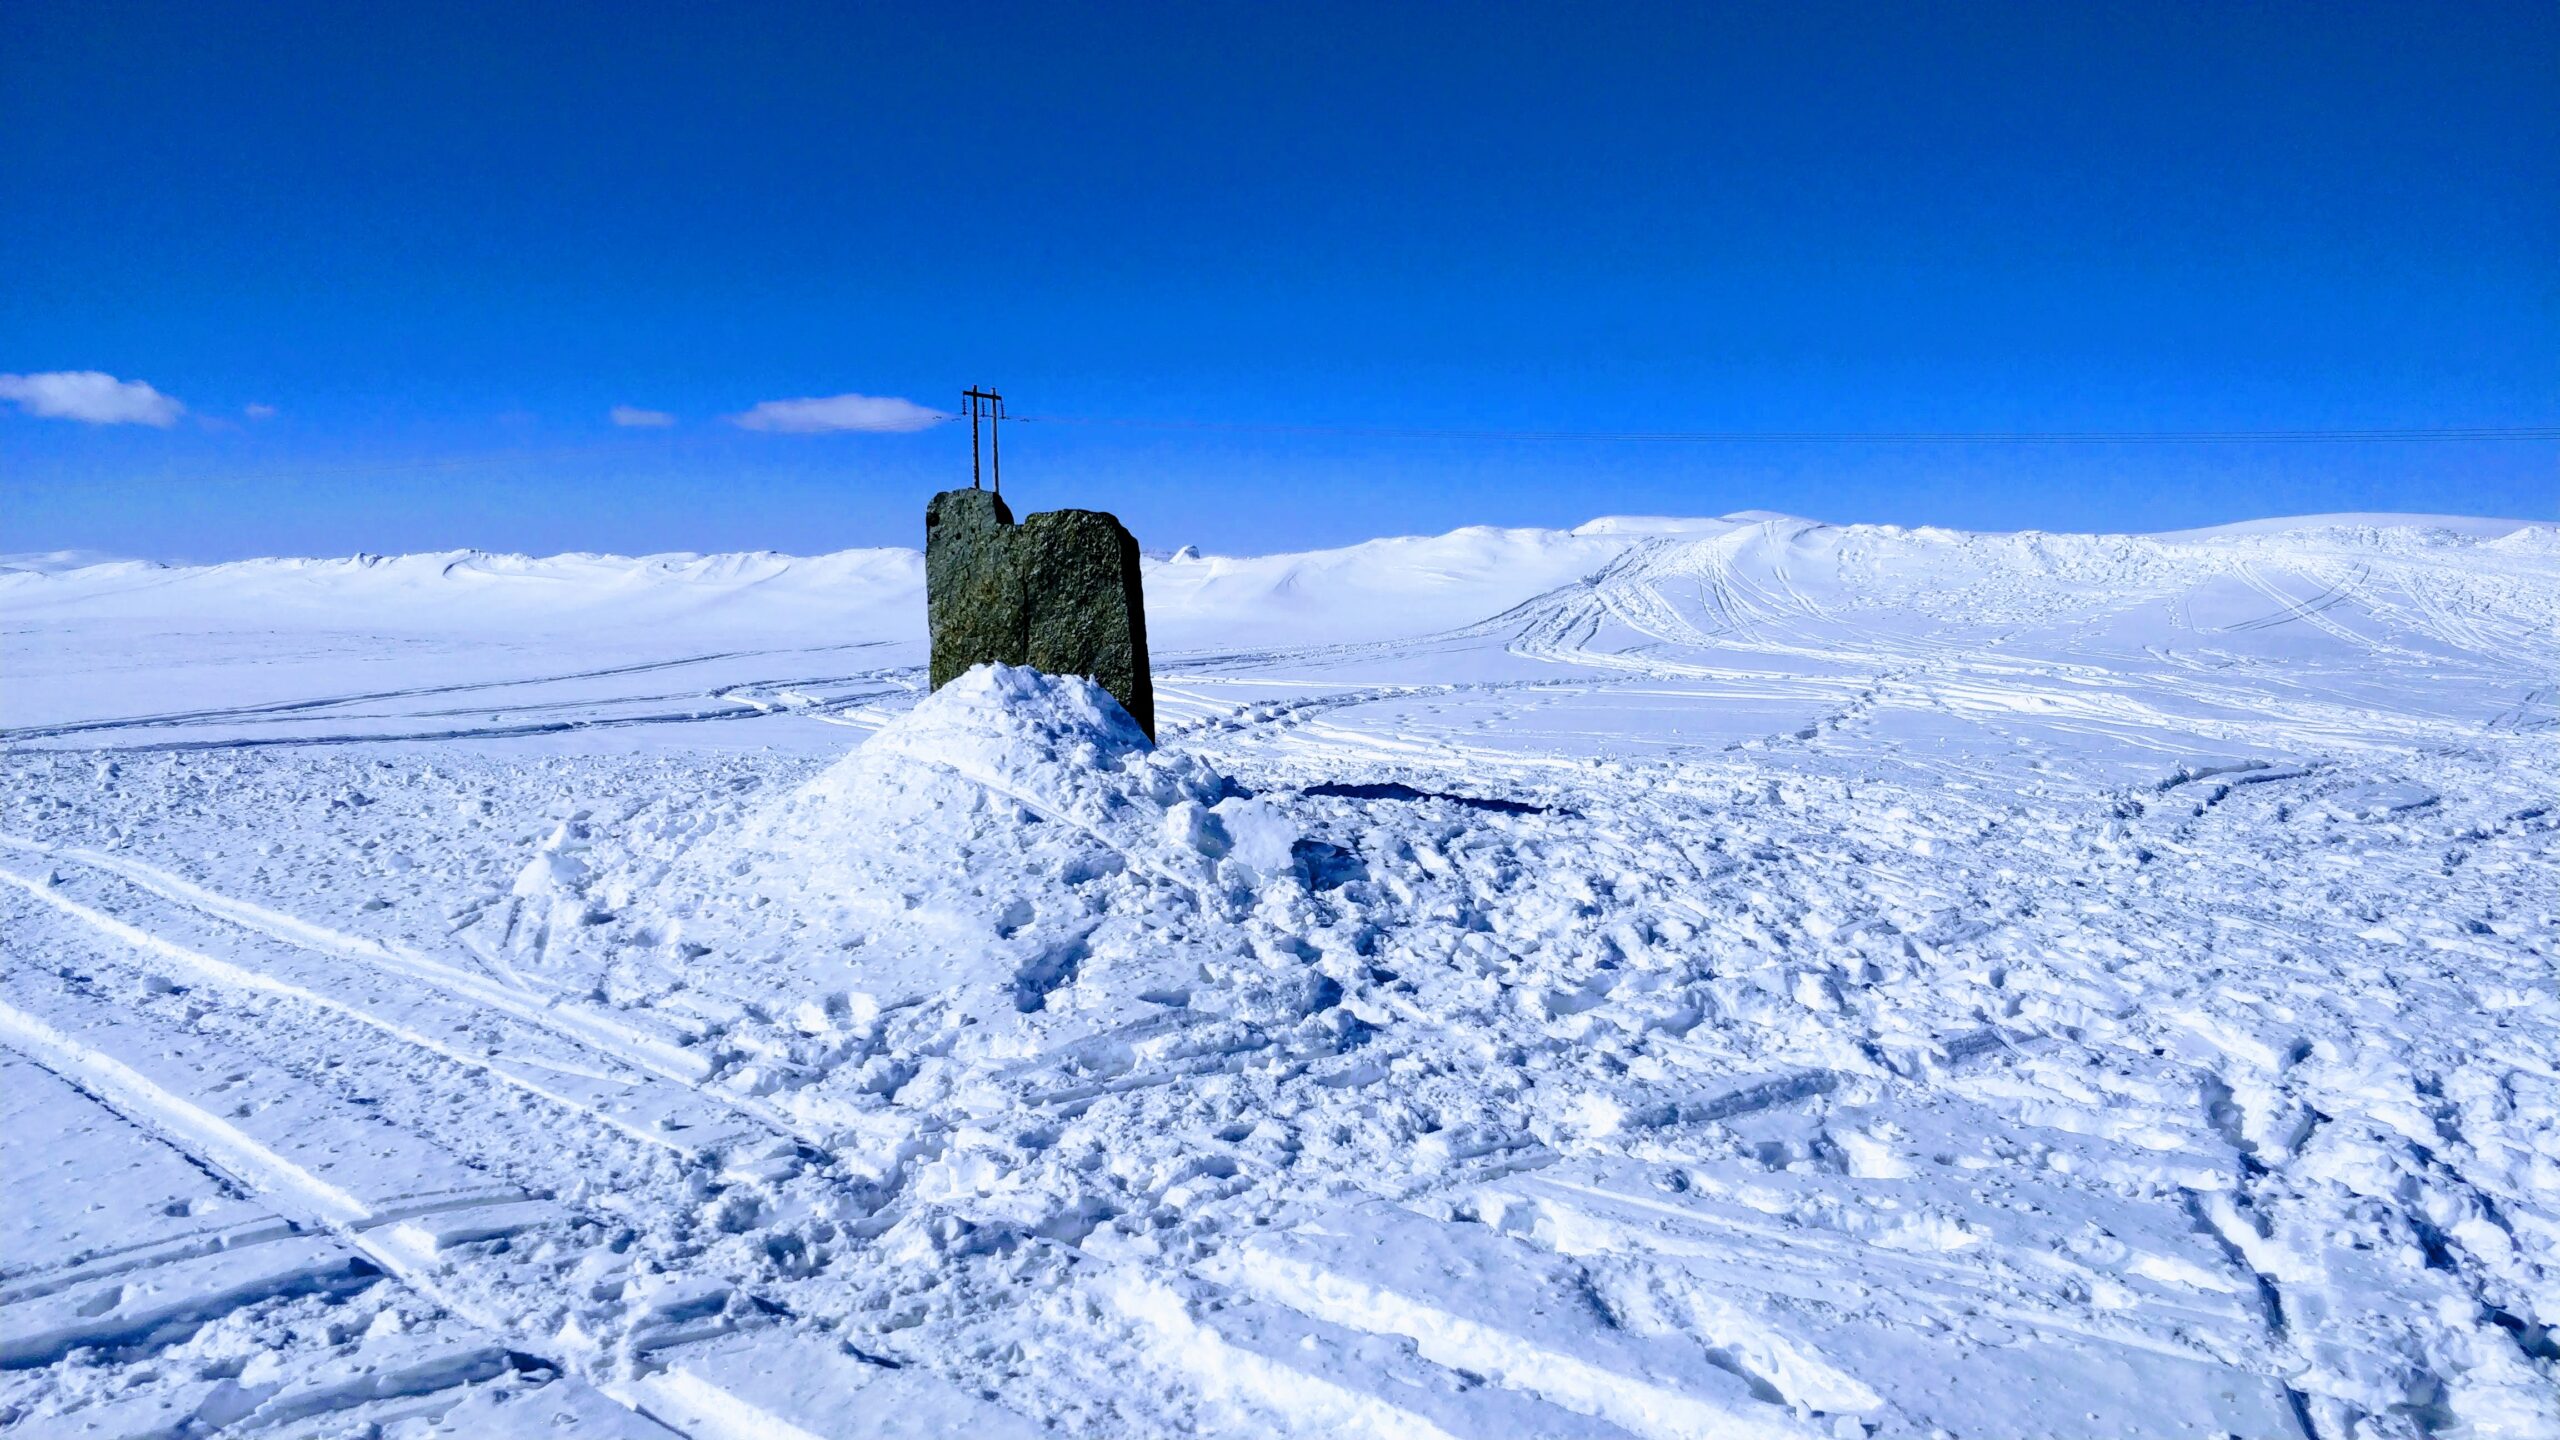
1725, 977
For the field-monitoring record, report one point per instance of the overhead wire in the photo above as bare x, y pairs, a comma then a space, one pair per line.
2297, 435
2433, 434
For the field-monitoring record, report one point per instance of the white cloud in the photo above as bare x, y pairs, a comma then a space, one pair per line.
259, 412
634, 416
818, 415
91, 396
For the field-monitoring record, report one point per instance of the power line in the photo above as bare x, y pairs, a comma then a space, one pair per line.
636, 448
360, 469
2307, 435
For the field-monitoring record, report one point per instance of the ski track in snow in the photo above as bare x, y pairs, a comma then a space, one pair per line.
1705, 978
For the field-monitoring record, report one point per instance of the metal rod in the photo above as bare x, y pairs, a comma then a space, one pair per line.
983, 404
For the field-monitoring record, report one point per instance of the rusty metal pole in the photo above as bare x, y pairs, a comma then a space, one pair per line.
970, 397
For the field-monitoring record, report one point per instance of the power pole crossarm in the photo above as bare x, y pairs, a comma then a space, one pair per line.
985, 405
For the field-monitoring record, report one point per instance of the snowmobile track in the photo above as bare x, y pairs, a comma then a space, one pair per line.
425, 1216
612, 1035
641, 1105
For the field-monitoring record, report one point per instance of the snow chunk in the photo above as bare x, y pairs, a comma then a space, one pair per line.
1255, 834
555, 869
1260, 836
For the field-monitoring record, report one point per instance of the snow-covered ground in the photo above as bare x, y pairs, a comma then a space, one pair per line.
1673, 978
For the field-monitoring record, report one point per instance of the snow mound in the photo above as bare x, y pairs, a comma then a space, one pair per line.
1032, 753
992, 757
1011, 716
1002, 851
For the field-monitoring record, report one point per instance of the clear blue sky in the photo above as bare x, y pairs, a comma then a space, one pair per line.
443, 241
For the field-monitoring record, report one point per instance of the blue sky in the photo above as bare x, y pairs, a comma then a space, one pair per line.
443, 242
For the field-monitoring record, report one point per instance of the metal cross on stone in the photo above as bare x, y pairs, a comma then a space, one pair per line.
985, 405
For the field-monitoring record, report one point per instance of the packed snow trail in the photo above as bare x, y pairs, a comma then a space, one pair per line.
1700, 978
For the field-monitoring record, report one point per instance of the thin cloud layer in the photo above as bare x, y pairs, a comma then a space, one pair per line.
818, 415
92, 397
636, 418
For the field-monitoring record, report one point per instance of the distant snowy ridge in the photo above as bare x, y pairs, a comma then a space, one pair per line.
2338, 584
1485, 543
51, 562
1376, 590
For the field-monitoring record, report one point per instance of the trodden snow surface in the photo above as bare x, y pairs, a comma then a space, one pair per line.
1672, 978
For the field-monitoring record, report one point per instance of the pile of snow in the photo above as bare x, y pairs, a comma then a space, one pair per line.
1037, 753
1009, 855
1033, 730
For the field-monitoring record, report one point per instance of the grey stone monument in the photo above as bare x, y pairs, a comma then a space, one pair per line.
1059, 592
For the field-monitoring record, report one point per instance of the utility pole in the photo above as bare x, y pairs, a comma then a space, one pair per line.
980, 404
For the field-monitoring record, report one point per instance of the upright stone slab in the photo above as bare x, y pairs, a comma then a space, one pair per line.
1059, 592
1085, 607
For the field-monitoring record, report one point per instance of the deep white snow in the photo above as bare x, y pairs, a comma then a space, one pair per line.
1675, 977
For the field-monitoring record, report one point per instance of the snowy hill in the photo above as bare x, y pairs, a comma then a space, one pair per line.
262, 632
1733, 976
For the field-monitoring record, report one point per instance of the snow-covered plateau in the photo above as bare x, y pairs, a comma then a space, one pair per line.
1723, 978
